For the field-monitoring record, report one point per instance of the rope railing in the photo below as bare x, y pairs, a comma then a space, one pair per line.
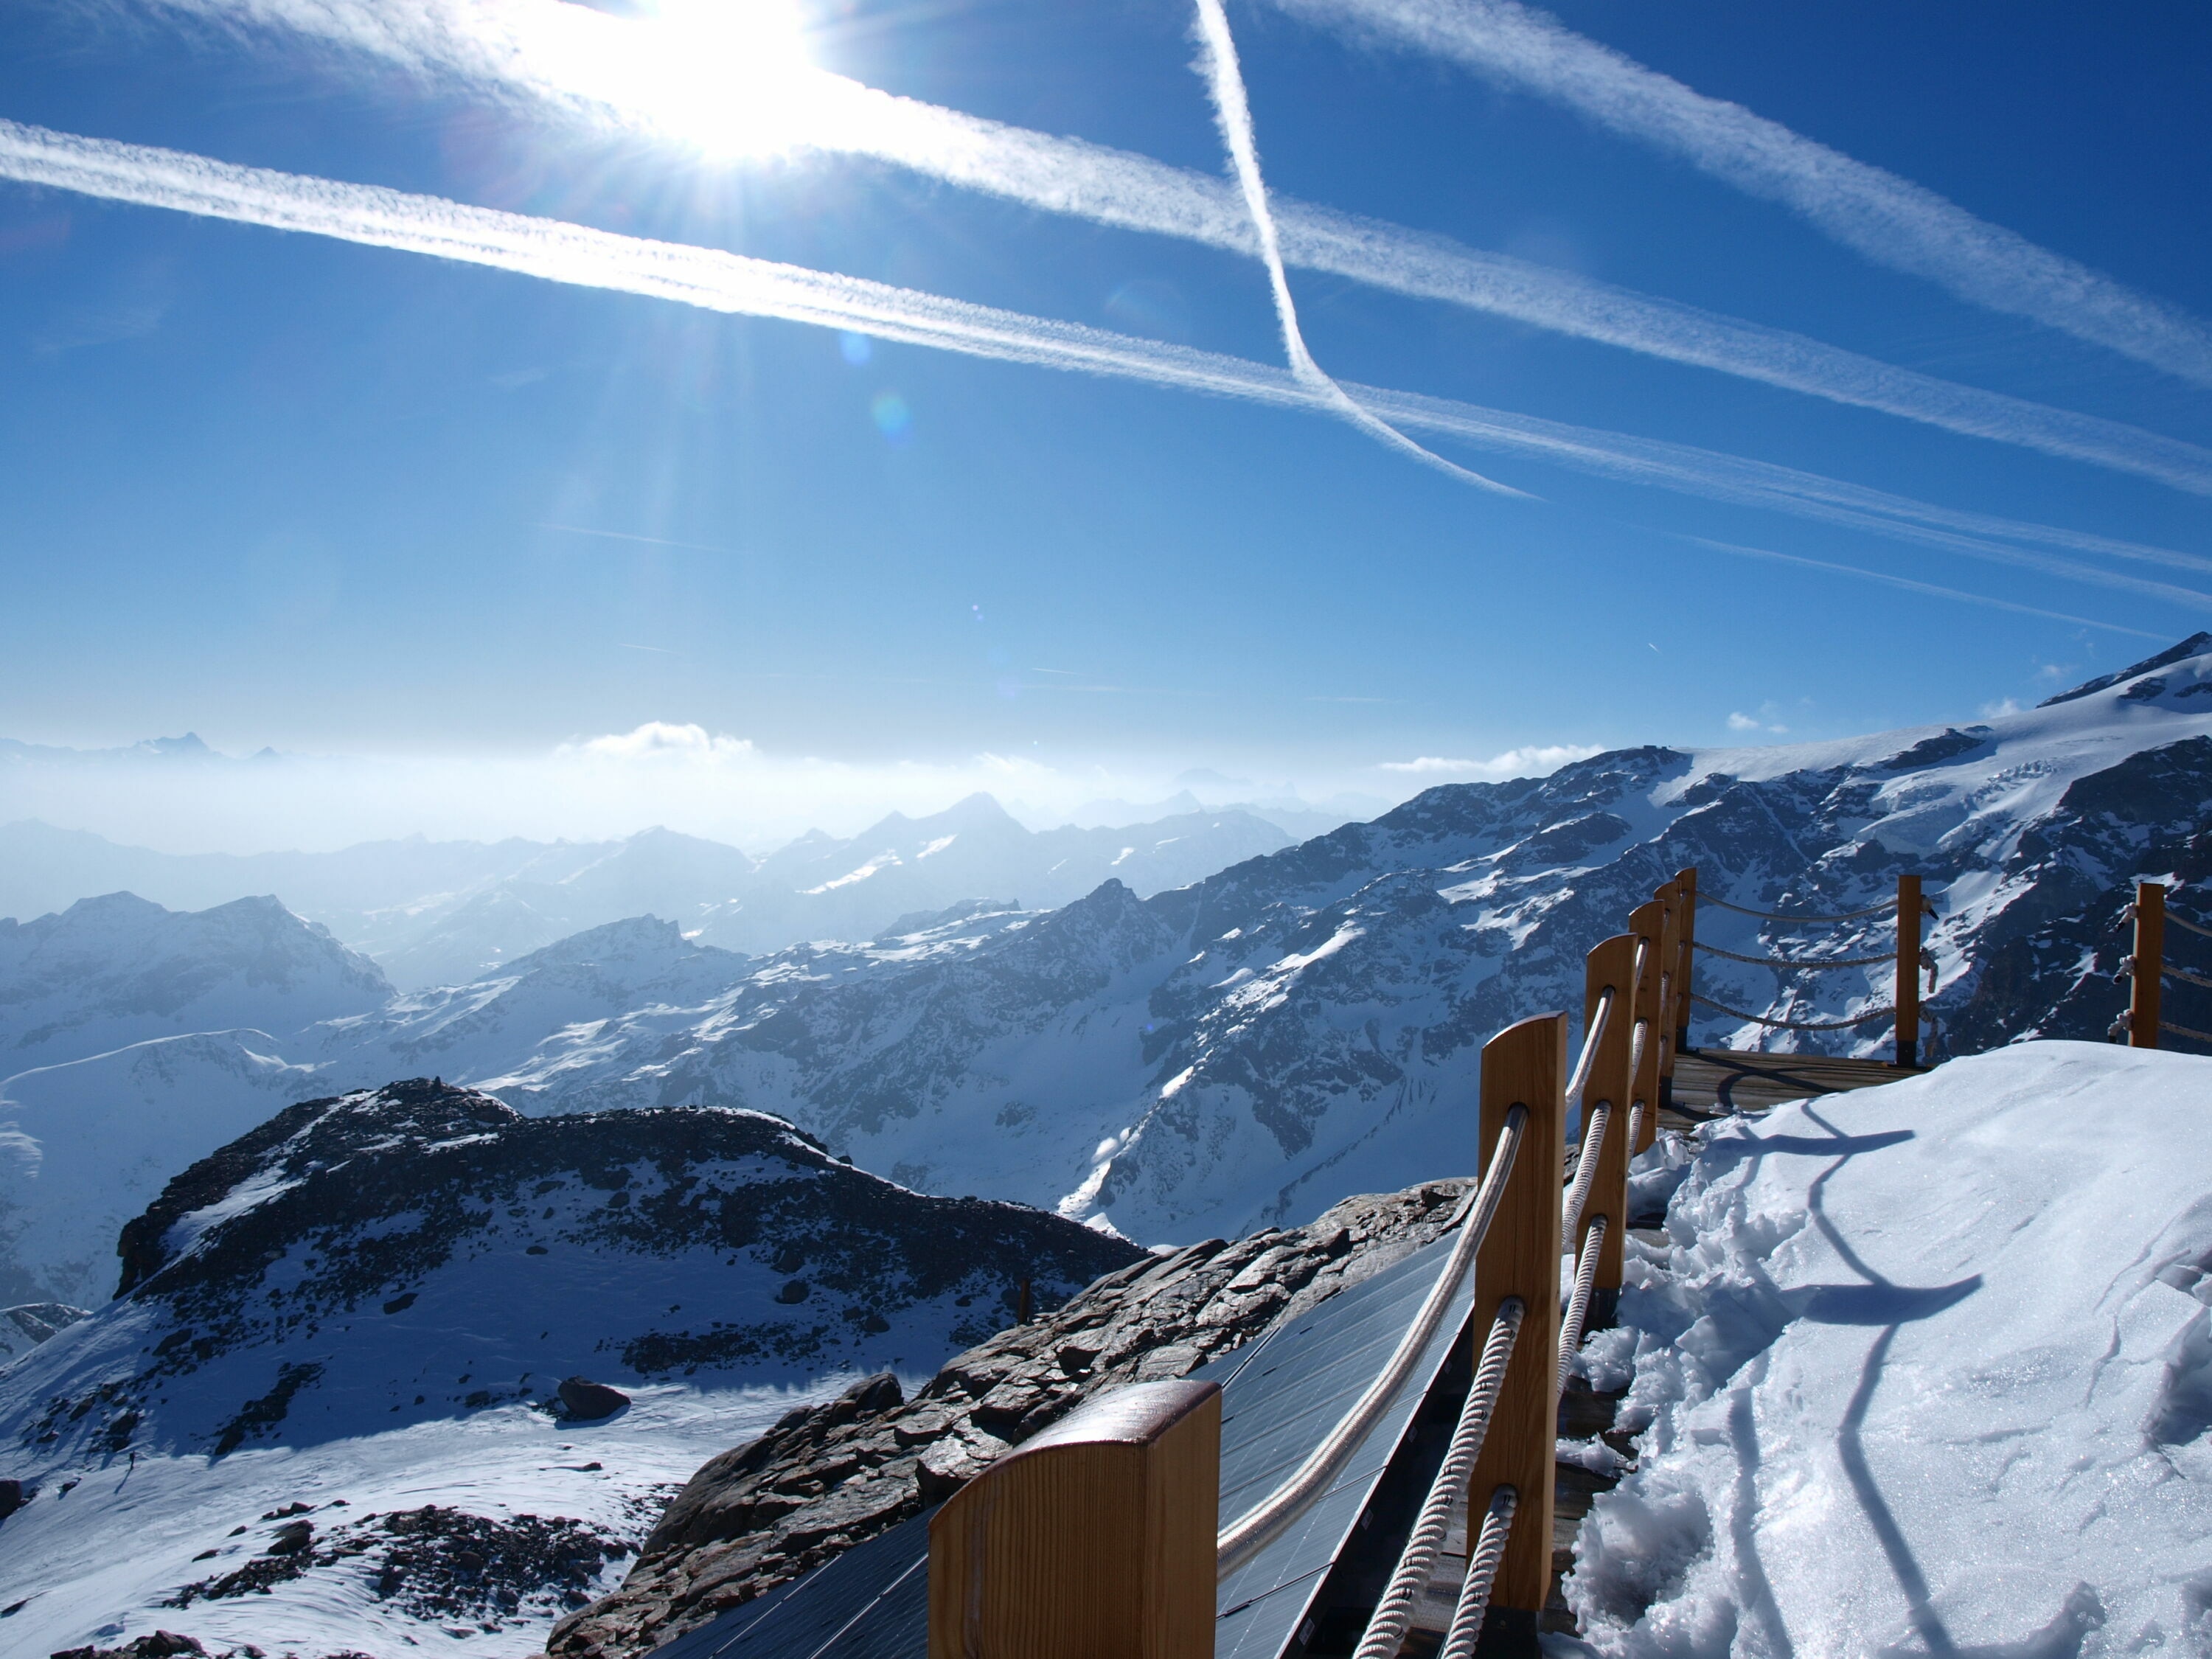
1466, 1631
1393, 1614
1266, 1521
1907, 957
1795, 962
1866, 1019
1882, 909
2187, 925
1586, 1164
1593, 1034
1571, 1327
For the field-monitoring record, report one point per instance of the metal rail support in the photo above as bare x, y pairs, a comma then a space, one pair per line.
1526, 1065
1092, 1540
1908, 970
1611, 965
2150, 965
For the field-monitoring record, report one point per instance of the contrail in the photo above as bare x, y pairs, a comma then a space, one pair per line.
731, 282
1907, 583
1887, 219
1232, 113
556, 57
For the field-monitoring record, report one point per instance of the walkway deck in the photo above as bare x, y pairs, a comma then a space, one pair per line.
1710, 1082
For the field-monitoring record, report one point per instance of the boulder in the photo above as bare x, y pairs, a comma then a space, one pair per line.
586, 1401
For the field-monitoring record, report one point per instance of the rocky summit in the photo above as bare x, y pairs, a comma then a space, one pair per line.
831, 1475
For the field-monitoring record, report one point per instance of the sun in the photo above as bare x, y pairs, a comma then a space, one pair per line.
732, 77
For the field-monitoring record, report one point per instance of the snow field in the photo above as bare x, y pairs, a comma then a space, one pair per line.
1924, 1368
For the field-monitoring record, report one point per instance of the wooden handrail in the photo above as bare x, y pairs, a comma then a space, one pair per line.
1525, 1065
1092, 1540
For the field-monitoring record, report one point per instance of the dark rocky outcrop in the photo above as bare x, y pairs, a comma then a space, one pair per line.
828, 1476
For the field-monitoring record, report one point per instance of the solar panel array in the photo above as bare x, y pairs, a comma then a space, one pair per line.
1280, 1397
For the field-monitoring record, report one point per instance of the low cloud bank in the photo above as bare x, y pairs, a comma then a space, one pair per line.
179, 796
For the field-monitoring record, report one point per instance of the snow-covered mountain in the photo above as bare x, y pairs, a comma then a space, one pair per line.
357, 1321
119, 969
1307, 1023
444, 913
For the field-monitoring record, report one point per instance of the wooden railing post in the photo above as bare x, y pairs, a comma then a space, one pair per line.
1671, 988
1092, 1540
1908, 970
1526, 1065
2149, 964
1611, 966
1645, 922
1686, 965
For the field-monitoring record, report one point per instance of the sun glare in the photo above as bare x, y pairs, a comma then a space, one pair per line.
732, 77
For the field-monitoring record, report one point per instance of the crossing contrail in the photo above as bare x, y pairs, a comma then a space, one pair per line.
1873, 212
719, 280
567, 59
1232, 112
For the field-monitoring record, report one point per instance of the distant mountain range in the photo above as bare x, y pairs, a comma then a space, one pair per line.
1251, 1047
441, 913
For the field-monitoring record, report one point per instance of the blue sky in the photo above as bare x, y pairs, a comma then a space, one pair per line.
287, 489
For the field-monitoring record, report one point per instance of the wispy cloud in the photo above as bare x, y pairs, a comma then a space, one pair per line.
731, 283
631, 535
576, 63
1762, 721
1533, 761
1232, 113
1885, 218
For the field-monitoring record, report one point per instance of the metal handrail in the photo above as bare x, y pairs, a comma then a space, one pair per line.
1267, 1520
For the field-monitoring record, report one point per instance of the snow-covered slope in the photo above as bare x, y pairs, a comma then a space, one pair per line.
86, 1145
377, 1297
1925, 1368
118, 970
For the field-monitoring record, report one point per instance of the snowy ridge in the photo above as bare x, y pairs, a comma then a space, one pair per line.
117, 969
1923, 1367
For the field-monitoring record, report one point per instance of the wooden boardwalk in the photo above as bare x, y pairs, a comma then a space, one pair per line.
1713, 1082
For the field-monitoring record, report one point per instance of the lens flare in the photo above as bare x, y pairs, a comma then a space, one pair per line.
732, 77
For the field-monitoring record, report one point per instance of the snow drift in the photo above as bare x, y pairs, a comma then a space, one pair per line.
1925, 1368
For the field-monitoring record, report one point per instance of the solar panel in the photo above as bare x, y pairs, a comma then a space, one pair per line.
1280, 1397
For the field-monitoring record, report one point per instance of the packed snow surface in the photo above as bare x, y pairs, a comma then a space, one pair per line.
1926, 1370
